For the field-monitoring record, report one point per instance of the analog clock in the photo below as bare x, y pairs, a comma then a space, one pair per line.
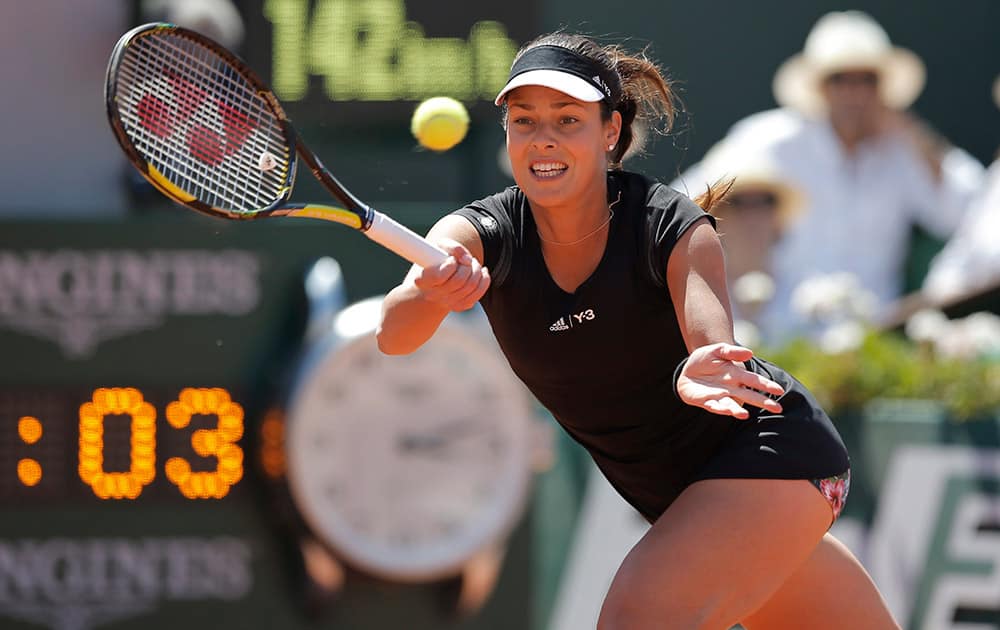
409, 466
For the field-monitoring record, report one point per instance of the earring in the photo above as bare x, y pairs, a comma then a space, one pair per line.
611, 147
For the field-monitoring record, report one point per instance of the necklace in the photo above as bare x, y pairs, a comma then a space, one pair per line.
581, 239
611, 214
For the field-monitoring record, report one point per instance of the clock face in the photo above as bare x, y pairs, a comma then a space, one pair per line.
409, 465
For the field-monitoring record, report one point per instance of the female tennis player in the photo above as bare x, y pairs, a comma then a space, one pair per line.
606, 292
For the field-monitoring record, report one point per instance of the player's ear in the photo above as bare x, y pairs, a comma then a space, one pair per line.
612, 129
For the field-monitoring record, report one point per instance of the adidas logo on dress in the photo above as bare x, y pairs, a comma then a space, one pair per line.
559, 325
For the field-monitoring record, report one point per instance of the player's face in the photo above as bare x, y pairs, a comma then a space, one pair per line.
557, 145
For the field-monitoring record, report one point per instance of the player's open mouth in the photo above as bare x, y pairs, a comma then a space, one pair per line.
548, 170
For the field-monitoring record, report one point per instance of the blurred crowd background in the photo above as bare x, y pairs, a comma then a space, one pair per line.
859, 143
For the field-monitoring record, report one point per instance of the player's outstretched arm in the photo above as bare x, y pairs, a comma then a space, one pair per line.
412, 311
713, 377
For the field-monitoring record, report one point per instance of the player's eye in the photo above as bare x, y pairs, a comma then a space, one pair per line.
568, 120
523, 120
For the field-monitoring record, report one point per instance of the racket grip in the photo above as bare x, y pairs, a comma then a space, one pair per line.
402, 240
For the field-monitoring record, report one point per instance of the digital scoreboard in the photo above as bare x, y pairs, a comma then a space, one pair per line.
368, 59
126, 443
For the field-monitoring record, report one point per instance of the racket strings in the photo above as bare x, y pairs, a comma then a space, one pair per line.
193, 77
199, 122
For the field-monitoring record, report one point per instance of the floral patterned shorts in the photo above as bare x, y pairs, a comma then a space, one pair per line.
834, 490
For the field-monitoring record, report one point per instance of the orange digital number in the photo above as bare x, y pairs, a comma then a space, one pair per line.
29, 471
218, 442
117, 401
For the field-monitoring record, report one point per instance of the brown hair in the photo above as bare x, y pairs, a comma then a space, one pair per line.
648, 104
714, 194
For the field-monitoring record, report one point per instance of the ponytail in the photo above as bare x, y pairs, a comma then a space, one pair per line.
714, 194
647, 103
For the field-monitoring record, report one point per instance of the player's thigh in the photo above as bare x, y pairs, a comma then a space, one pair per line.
831, 591
719, 552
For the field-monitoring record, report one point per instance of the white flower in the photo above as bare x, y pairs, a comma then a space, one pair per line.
957, 343
753, 288
833, 297
983, 330
842, 337
975, 335
927, 326
809, 297
862, 304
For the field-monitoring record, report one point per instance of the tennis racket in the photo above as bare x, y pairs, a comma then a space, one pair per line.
204, 129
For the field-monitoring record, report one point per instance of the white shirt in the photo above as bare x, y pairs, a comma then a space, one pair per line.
859, 209
971, 259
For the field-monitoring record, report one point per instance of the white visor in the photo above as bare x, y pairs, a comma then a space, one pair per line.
558, 80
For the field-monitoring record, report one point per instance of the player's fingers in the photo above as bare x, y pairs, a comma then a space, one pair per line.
708, 393
730, 352
716, 389
453, 248
716, 372
752, 380
430, 278
456, 284
709, 360
697, 394
712, 351
473, 289
751, 397
726, 407
481, 287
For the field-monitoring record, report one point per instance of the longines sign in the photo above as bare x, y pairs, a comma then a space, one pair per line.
79, 584
79, 298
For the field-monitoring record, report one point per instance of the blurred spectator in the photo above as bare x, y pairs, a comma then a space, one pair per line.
869, 170
971, 259
758, 208
61, 158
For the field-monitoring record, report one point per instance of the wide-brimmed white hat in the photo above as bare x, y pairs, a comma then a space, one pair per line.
750, 169
842, 41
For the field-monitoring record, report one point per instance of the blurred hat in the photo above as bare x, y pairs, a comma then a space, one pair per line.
844, 41
752, 171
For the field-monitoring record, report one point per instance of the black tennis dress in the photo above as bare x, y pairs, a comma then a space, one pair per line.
602, 359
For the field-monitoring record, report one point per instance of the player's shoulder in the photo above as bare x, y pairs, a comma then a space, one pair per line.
506, 202
660, 215
496, 215
651, 196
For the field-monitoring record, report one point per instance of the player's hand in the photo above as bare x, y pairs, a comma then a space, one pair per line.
457, 283
715, 379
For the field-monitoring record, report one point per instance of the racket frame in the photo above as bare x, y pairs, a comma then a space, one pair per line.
354, 213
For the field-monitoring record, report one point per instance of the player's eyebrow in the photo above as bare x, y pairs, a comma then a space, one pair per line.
555, 105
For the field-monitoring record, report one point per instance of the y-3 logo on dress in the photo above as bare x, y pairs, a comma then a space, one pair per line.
573, 319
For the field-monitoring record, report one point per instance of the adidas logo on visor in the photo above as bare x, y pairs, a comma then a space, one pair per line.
604, 86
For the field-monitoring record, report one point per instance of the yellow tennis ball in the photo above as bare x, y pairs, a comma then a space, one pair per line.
439, 123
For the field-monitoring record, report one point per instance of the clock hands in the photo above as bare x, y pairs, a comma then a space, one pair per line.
435, 440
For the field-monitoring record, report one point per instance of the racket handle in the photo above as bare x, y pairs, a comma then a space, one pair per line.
403, 241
